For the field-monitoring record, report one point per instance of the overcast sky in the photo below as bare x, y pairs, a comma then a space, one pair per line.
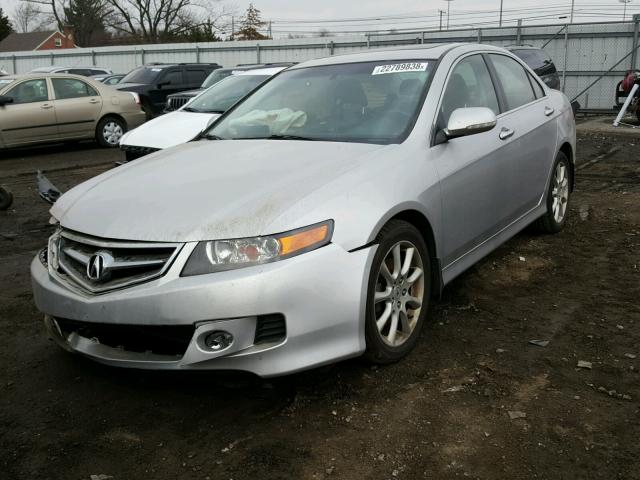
289, 15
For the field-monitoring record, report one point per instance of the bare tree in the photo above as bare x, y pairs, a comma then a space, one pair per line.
156, 21
28, 17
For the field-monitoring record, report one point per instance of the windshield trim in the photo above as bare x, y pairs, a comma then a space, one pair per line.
399, 139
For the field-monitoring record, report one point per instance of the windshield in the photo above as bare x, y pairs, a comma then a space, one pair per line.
222, 95
215, 77
372, 102
141, 75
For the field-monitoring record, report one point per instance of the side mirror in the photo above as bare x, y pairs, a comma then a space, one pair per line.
470, 121
5, 100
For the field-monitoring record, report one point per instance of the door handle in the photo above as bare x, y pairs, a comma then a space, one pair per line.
93, 100
46, 106
548, 111
506, 133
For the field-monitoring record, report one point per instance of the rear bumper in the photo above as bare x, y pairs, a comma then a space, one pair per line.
321, 294
134, 119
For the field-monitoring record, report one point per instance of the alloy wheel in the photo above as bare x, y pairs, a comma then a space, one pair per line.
560, 192
399, 293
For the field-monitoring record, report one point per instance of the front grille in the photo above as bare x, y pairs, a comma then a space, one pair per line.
174, 103
270, 329
157, 339
99, 265
132, 151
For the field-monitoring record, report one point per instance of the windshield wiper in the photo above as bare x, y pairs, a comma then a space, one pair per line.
189, 109
283, 137
210, 136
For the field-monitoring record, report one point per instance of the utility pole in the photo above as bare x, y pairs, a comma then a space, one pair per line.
441, 12
624, 15
448, 11
501, 2
573, 4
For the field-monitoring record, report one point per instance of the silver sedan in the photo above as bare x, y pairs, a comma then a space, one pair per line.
315, 220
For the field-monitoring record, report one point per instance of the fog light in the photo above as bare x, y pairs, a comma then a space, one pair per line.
217, 341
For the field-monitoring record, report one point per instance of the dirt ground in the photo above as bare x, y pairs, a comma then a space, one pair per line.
445, 412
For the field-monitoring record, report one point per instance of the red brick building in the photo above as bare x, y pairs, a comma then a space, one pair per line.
32, 41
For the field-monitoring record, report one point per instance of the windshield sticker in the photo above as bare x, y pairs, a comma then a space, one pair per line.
400, 68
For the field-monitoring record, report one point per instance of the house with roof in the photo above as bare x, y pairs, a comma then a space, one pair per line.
34, 41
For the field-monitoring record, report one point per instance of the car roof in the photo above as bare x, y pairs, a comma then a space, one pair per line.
260, 71
412, 52
45, 75
63, 67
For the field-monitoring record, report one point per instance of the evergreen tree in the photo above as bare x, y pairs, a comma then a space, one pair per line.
5, 25
251, 23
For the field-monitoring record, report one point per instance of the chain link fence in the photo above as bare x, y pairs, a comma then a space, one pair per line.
591, 58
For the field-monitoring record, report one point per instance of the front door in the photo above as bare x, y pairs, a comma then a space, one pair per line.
78, 106
30, 118
473, 170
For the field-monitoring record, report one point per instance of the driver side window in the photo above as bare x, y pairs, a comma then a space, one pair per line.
30, 91
469, 85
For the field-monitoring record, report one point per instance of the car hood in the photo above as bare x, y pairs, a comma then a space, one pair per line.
188, 93
209, 190
168, 130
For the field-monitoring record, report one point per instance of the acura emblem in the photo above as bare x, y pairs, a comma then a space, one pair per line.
98, 268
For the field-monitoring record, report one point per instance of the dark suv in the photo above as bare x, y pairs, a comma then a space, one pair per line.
154, 82
177, 100
540, 62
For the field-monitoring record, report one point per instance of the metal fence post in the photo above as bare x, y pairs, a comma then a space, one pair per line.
14, 64
636, 29
93, 58
423, 37
519, 32
479, 35
566, 58
257, 53
368, 41
331, 47
51, 58
142, 55
197, 54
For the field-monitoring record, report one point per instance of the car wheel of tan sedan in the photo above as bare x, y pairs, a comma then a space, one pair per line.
109, 132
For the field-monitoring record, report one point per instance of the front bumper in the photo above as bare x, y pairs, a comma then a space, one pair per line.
321, 294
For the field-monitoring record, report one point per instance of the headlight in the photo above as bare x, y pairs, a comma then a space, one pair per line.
220, 255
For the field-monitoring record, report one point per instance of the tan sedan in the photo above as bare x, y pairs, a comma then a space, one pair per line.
39, 108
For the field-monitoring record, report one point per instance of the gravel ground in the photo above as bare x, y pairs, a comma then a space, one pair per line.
475, 399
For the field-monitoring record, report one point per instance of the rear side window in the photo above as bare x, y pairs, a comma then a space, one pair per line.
469, 85
538, 90
98, 72
514, 81
196, 77
66, 88
80, 71
29, 92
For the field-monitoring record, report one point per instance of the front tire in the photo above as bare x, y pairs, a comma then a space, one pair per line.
398, 293
109, 131
557, 199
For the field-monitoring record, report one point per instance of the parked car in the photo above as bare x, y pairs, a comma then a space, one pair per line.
41, 108
156, 81
109, 79
540, 62
79, 70
318, 218
178, 100
186, 123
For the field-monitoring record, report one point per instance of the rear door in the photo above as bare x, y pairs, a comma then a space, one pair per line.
78, 107
473, 170
31, 117
531, 121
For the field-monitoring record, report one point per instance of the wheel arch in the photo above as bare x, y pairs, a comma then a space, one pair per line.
114, 115
567, 149
420, 221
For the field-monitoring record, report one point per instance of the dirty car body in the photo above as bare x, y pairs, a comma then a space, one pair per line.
264, 260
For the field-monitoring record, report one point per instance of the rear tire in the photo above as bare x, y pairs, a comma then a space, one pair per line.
557, 199
398, 293
109, 131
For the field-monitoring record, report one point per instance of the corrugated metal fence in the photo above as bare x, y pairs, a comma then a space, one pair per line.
592, 57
